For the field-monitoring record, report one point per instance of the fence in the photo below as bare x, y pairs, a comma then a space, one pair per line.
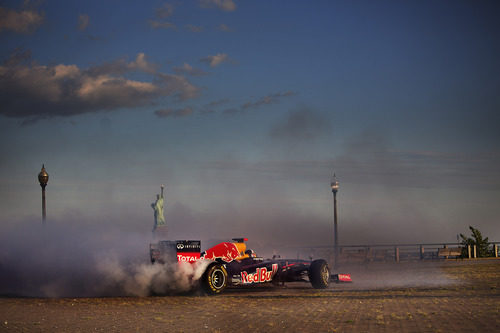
393, 252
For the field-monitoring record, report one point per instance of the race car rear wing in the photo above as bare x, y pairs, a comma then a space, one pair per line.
175, 251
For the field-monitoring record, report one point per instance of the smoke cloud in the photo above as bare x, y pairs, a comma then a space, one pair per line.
300, 125
61, 260
143, 279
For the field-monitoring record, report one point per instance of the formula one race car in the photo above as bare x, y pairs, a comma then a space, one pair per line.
231, 264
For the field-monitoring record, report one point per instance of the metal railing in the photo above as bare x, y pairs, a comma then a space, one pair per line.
394, 252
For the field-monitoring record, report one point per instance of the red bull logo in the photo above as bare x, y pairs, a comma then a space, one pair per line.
260, 275
225, 251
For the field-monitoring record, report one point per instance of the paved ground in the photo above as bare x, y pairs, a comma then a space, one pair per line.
451, 296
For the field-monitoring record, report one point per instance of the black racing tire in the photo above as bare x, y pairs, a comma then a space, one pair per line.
319, 274
214, 280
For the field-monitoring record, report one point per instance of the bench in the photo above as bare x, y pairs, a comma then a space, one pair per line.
449, 252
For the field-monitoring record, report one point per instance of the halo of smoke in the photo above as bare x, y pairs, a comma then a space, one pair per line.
144, 279
78, 260
402, 275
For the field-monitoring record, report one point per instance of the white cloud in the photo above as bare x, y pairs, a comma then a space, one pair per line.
24, 21
194, 28
164, 113
223, 27
177, 85
36, 91
269, 99
102, 88
225, 5
215, 60
161, 13
164, 11
83, 22
190, 70
121, 66
141, 64
164, 25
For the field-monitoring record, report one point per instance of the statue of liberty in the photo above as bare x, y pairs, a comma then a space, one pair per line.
158, 208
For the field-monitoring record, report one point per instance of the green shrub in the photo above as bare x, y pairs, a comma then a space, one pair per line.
482, 244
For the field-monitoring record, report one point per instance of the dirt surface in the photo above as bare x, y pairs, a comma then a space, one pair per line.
445, 296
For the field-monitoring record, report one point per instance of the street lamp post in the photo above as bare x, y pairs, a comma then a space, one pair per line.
43, 178
335, 187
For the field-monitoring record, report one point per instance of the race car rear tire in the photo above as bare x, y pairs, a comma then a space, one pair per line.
319, 274
214, 280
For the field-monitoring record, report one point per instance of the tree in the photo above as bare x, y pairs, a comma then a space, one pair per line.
482, 244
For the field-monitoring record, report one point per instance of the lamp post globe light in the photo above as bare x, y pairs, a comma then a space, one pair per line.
43, 178
334, 184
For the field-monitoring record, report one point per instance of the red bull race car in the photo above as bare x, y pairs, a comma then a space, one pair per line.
231, 264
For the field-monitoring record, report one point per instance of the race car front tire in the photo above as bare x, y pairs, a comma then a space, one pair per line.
319, 274
214, 280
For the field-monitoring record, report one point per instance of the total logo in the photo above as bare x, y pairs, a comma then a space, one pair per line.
260, 275
345, 277
188, 257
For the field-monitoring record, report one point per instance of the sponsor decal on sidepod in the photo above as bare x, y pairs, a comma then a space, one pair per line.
260, 275
188, 257
225, 251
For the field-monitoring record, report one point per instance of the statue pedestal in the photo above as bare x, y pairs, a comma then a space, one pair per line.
160, 233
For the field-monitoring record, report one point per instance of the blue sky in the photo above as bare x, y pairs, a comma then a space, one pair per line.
244, 109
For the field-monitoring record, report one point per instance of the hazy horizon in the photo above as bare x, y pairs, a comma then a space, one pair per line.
244, 110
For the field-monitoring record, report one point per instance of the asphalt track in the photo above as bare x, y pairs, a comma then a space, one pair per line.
444, 296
